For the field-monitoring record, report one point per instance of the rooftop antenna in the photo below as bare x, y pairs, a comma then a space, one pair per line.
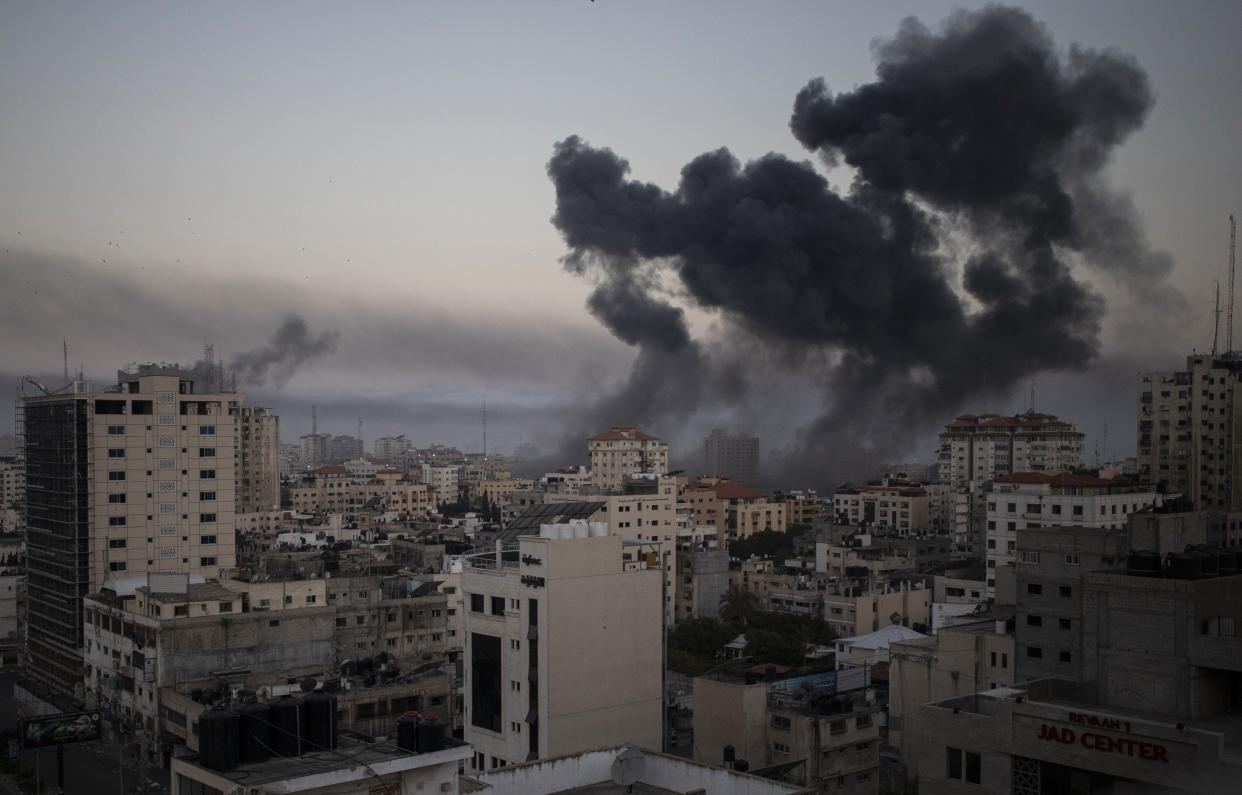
360, 433
314, 422
1233, 244
1032, 409
1216, 328
485, 427
65, 343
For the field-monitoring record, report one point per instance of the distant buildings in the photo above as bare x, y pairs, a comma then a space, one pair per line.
317, 449
443, 478
392, 448
120, 484
735, 457
623, 451
256, 458
563, 646
974, 449
1187, 435
735, 510
893, 503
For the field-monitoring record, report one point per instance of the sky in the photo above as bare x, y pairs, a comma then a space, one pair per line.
173, 175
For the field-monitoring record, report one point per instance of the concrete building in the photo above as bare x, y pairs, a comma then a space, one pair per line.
593, 772
1049, 569
12, 483
852, 613
256, 458
804, 507
331, 489
735, 457
823, 729
900, 505
735, 510
444, 479
1189, 426
136, 480
1062, 499
977, 448
702, 580
974, 449
564, 637
623, 451
358, 766
872, 648
959, 660
392, 448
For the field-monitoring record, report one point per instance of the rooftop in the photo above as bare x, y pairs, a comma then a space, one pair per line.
354, 759
529, 521
620, 433
197, 592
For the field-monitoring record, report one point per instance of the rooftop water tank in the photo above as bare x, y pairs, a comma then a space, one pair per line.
218, 731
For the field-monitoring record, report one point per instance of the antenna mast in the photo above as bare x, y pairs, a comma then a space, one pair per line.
1233, 244
485, 427
65, 343
1216, 328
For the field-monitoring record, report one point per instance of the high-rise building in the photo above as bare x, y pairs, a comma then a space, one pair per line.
12, 483
1189, 436
735, 457
563, 646
122, 483
623, 451
257, 459
313, 449
974, 449
392, 448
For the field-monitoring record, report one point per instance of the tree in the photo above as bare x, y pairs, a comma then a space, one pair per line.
738, 606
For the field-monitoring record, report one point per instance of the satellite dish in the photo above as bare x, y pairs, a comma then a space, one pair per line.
308, 684
628, 767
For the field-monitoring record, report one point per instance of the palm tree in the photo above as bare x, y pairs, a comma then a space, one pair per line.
738, 605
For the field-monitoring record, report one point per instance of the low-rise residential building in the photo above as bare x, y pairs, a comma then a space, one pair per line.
897, 504
737, 511
823, 729
872, 648
443, 479
624, 451
333, 490
563, 653
702, 580
853, 612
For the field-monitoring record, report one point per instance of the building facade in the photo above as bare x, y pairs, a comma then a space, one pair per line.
624, 451
977, 448
256, 458
732, 456
119, 484
563, 646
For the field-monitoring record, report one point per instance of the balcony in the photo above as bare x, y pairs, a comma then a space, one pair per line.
498, 558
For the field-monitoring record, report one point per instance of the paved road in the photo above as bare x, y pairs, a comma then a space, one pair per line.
90, 768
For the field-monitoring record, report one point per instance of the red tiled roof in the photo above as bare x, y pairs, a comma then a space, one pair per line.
622, 433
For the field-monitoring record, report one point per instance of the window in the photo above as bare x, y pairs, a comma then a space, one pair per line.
476, 603
275, 622
836, 727
1064, 623
498, 605
1034, 652
206, 496
1013, 507
206, 518
973, 765
515, 685
116, 521
116, 565
862, 722
116, 543
181, 610
116, 430
116, 476
1056, 510
1034, 621
1034, 588
1028, 557
1077, 510
116, 452
1065, 591
116, 498
206, 452
225, 607
206, 430
780, 748
1065, 656
207, 474
310, 599
515, 727
953, 764
340, 622
209, 539
514, 644
209, 561
1072, 560
781, 722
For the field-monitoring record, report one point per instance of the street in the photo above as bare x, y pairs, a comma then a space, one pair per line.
91, 768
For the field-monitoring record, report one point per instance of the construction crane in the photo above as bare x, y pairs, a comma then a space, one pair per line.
1233, 245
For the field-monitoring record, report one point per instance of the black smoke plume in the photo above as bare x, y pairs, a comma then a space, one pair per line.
944, 274
290, 347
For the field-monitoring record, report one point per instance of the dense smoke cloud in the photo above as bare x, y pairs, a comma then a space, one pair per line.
945, 273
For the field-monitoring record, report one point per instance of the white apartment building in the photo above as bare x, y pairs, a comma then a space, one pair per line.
12, 483
900, 505
256, 458
1187, 431
332, 490
361, 470
623, 451
444, 479
1060, 499
563, 646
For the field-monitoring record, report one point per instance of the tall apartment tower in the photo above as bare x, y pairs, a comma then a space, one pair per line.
123, 483
623, 451
733, 457
256, 459
563, 646
1190, 431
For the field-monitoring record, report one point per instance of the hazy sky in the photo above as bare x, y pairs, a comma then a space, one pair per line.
176, 173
